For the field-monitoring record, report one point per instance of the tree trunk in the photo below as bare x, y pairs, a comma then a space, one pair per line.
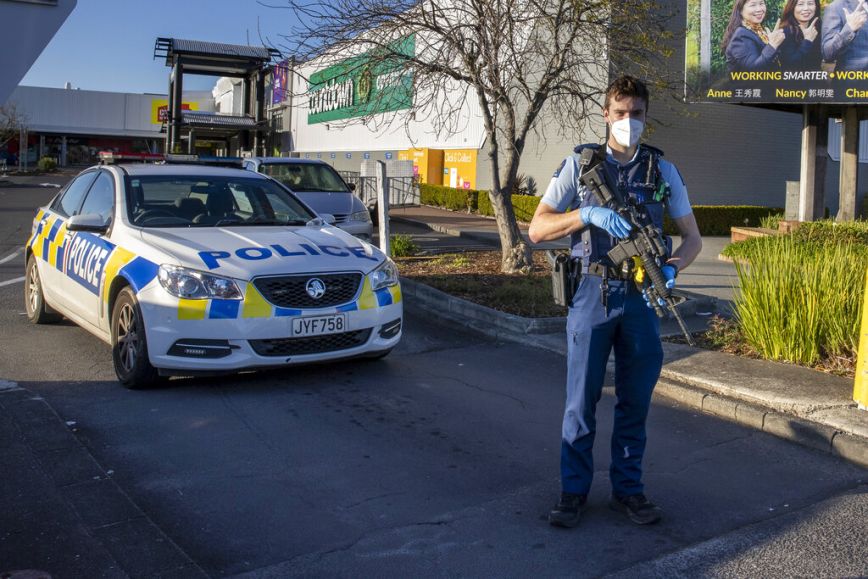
516, 256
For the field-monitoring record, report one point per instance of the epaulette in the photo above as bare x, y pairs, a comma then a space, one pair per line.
578, 149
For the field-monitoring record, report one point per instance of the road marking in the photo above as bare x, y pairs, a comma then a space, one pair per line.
11, 256
11, 281
8, 385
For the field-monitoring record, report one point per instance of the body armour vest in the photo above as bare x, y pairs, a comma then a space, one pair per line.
639, 180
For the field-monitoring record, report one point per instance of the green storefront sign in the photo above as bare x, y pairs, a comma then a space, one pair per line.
361, 86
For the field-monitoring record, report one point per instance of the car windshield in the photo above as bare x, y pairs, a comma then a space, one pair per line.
307, 177
192, 201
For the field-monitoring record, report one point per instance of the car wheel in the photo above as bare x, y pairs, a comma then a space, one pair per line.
34, 299
129, 345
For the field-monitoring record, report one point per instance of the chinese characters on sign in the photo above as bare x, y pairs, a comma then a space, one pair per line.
777, 51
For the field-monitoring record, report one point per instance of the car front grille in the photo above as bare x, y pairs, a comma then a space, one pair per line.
289, 291
312, 345
341, 217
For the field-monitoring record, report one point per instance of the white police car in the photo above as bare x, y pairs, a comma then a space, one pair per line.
188, 269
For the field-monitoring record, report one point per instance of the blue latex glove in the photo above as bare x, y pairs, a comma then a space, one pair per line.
669, 273
607, 220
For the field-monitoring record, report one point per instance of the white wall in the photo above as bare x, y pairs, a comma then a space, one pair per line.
66, 111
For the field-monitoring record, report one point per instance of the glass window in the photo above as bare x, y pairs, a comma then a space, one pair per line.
307, 177
70, 199
182, 201
101, 197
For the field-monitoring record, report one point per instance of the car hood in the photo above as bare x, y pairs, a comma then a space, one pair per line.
322, 202
247, 252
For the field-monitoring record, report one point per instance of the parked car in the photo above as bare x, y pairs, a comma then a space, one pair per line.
321, 188
188, 269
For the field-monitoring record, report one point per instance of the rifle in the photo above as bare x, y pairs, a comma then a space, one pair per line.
644, 248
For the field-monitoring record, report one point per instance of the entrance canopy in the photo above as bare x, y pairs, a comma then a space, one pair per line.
214, 58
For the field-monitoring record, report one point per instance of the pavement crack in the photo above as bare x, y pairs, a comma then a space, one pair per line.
369, 499
481, 389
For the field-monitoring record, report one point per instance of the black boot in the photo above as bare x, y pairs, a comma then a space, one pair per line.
566, 512
638, 508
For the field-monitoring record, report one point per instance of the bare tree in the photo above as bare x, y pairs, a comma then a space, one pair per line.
507, 61
11, 122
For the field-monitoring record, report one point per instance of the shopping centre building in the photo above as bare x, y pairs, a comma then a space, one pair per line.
727, 154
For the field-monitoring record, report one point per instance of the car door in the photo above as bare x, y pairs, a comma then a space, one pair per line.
51, 241
88, 252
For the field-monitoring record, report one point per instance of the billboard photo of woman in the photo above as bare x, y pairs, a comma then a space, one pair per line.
777, 51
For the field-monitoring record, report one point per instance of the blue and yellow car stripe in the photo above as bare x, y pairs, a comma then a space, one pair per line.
98, 257
254, 305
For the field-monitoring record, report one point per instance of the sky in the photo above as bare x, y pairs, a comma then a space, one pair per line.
108, 45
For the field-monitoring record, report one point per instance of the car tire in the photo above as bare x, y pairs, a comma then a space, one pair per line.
129, 344
34, 298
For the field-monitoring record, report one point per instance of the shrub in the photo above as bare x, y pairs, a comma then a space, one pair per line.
47, 164
448, 197
719, 219
771, 221
827, 231
523, 205
800, 300
403, 246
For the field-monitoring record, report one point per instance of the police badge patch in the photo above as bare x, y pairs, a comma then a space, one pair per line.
560, 168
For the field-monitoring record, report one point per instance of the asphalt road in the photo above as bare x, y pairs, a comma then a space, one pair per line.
439, 460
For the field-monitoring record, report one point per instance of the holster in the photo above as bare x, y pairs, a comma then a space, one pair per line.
565, 277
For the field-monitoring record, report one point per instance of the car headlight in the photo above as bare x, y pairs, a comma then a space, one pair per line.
385, 275
196, 285
360, 216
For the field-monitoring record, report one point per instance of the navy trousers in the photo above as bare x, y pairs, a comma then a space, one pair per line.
629, 326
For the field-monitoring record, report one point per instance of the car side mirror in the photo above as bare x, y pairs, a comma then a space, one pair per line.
328, 218
352, 186
92, 222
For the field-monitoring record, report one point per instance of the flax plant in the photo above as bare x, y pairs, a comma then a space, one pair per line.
799, 301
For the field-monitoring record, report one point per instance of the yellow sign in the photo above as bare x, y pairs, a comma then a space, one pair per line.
459, 168
427, 164
160, 110
860, 390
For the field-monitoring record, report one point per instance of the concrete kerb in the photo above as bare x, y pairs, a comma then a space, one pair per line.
817, 426
480, 237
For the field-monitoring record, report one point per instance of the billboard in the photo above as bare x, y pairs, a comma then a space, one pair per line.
280, 77
777, 51
360, 86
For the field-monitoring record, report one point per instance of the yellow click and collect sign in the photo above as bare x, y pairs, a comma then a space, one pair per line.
459, 168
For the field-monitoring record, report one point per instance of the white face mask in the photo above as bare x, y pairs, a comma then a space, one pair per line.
627, 132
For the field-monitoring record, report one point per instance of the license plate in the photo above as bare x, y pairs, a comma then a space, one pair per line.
319, 325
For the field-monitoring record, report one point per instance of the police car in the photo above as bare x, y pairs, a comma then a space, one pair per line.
188, 269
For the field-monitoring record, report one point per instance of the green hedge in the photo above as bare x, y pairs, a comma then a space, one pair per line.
718, 219
712, 219
449, 197
523, 205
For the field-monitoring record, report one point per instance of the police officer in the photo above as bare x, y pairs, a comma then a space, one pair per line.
609, 312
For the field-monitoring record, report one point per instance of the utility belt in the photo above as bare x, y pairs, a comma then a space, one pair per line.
568, 270
607, 271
